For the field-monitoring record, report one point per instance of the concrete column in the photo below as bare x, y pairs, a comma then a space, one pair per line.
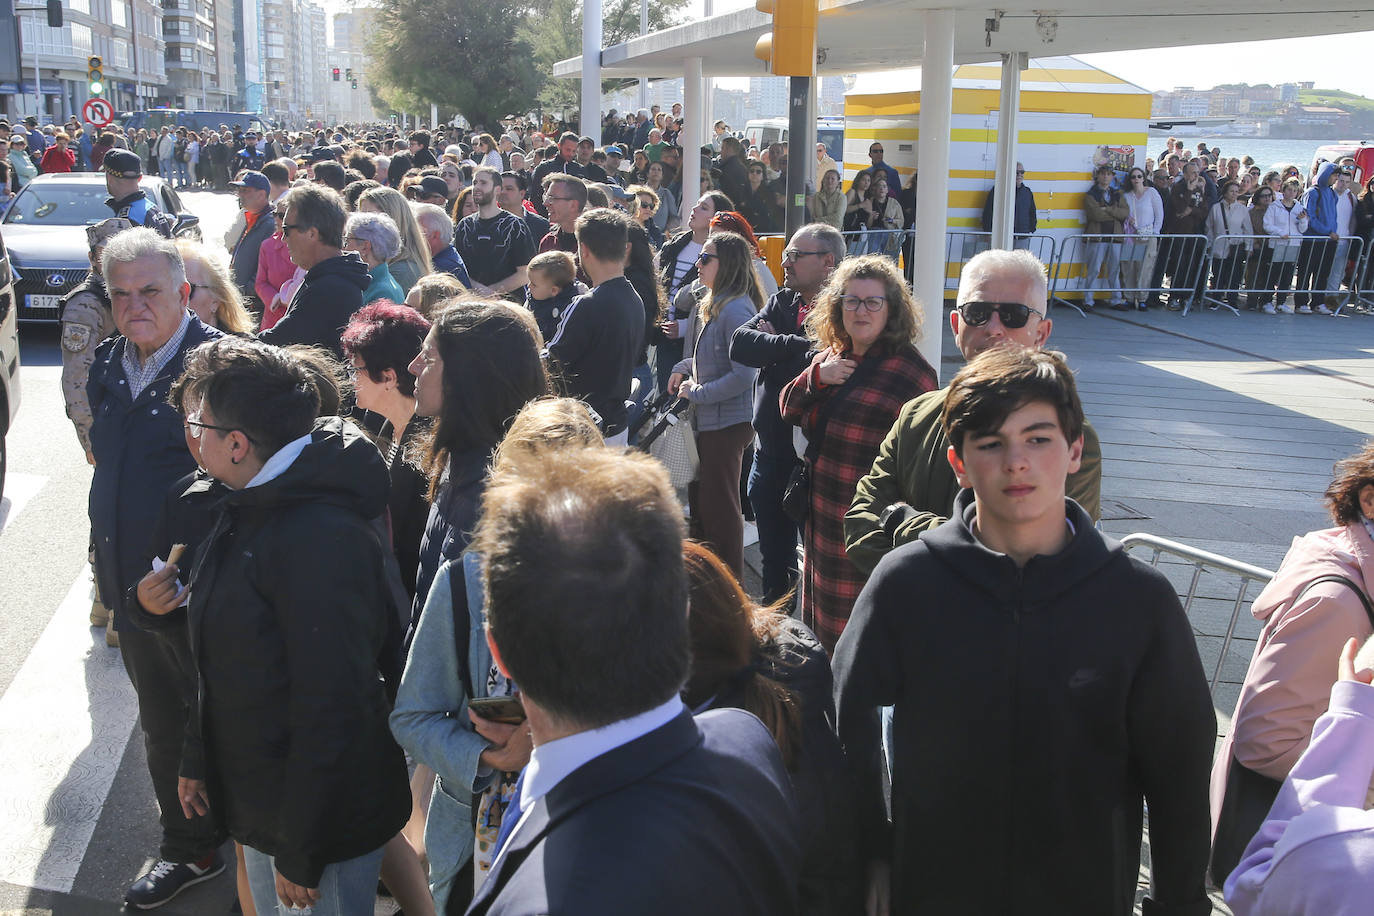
694, 102
932, 159
591, 70
644, 30
433, 116
1004, 194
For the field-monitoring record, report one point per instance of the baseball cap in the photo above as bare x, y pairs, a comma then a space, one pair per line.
122, 164
253, 179
433, 184
321, 153
615, 149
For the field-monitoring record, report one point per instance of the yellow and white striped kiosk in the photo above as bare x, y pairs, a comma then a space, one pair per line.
1072, 116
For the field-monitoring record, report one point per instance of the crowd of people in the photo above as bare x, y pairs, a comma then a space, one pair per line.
400, 600
1224, 232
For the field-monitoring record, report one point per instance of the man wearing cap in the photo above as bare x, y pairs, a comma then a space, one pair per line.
86, 322
254, 191
122, 172
37, 142
251, 156
614, 157
431, 189
590, 170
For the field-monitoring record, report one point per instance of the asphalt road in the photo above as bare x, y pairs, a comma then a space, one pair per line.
77, 817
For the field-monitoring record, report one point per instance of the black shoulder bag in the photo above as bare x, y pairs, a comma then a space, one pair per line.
1250, 795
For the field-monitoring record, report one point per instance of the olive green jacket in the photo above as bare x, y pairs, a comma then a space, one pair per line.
912, 468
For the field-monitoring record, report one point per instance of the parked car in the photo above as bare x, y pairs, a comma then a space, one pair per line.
45, 228
9, 359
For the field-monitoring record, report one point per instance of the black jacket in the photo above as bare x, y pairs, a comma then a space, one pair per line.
1035, 710
1024, 220
449, 526
695, 817
140, 451
319, 311
831, 875
599, 339
734, 179
781, 357
288, 617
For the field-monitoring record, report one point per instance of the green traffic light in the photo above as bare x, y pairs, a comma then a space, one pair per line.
97, 87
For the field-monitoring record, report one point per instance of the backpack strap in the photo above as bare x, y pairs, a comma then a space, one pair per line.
1359, 592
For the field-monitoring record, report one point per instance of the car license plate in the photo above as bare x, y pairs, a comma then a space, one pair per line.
43, 302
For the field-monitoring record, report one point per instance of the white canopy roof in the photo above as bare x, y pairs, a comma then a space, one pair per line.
860, 35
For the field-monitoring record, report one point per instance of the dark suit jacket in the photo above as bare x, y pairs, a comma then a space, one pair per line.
696, 817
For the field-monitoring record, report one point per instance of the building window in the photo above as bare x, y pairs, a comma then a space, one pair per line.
81, 39
80, 6
119, 13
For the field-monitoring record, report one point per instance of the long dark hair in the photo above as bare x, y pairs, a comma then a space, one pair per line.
727, 630
491, 370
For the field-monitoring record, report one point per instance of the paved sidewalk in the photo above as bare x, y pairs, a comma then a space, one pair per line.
1217, 431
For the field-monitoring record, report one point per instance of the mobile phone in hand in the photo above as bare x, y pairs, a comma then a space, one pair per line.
506, 710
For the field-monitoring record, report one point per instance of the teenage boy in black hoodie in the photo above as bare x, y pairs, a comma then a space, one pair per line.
1045, 685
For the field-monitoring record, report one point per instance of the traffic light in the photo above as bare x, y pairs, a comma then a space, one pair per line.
55, 13
349, 75
355, 84
276, 84
96, 75
336, 74
790, 49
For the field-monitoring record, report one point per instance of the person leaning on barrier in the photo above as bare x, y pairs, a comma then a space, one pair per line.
1045, 685
911, 488
1315, 601
87, 321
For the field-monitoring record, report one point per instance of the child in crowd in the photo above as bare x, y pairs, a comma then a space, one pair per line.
553, 286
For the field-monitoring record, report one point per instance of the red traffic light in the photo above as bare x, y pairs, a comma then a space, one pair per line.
336, 74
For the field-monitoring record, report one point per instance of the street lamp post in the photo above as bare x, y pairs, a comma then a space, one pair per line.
37, 75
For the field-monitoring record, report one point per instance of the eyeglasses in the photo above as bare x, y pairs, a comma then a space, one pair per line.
869, 304
547, 198
1013, 314
796, 254
707, 257
288, 228
196, 428
194, 287
351, 370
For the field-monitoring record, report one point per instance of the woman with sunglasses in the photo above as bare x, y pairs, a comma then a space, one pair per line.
864, 327
1261, 256
1144, 224
721, 390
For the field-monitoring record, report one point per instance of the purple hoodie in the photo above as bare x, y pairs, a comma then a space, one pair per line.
1315, 853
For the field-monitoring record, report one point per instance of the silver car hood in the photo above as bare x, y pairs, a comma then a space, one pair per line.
47, 246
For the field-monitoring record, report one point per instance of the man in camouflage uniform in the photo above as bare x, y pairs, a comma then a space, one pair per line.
87, 320
122, 171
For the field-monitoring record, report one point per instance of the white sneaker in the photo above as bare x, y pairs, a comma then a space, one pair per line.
1268, 308
1286, 308
1304, 310
1323, 310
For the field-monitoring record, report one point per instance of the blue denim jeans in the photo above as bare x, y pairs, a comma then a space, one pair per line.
346, 888
778, 534
182, 174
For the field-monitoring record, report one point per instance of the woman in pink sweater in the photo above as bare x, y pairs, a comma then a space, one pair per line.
1314, 855
275, 270
1288, 684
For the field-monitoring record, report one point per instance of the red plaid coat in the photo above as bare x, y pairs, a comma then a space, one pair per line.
855, 428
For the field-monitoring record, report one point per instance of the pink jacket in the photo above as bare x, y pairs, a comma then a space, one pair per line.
1315, 852
1288, 684
274, 269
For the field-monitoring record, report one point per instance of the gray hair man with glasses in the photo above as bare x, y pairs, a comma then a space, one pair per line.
774, 342
139, 451
1003, 300
1024, 221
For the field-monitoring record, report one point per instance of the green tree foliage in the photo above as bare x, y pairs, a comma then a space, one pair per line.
465, 56
555, 33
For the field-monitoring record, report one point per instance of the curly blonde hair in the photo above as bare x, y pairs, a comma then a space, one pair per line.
825, 323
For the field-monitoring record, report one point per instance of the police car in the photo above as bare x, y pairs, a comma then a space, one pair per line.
45, 229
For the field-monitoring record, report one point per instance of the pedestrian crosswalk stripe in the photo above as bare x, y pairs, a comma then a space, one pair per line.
19, 489
64, 724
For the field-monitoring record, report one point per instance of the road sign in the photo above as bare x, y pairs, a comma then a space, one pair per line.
99, 112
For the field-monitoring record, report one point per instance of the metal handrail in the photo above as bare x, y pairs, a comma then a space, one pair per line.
1202, 559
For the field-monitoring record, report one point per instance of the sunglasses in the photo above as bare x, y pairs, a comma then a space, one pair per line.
1012, 314
707, 257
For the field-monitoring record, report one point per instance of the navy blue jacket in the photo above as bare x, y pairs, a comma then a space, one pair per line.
140, 451
780, 357
449, 261
695, 817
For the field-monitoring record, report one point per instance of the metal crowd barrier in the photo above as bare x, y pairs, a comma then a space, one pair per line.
1263, 269
961, 245
1128, 268
1202, 561
889, 242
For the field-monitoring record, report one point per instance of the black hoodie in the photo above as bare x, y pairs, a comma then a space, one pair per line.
1035, 709
319, 311
288, 616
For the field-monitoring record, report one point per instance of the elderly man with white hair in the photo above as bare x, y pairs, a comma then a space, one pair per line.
375, 238
438, 232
